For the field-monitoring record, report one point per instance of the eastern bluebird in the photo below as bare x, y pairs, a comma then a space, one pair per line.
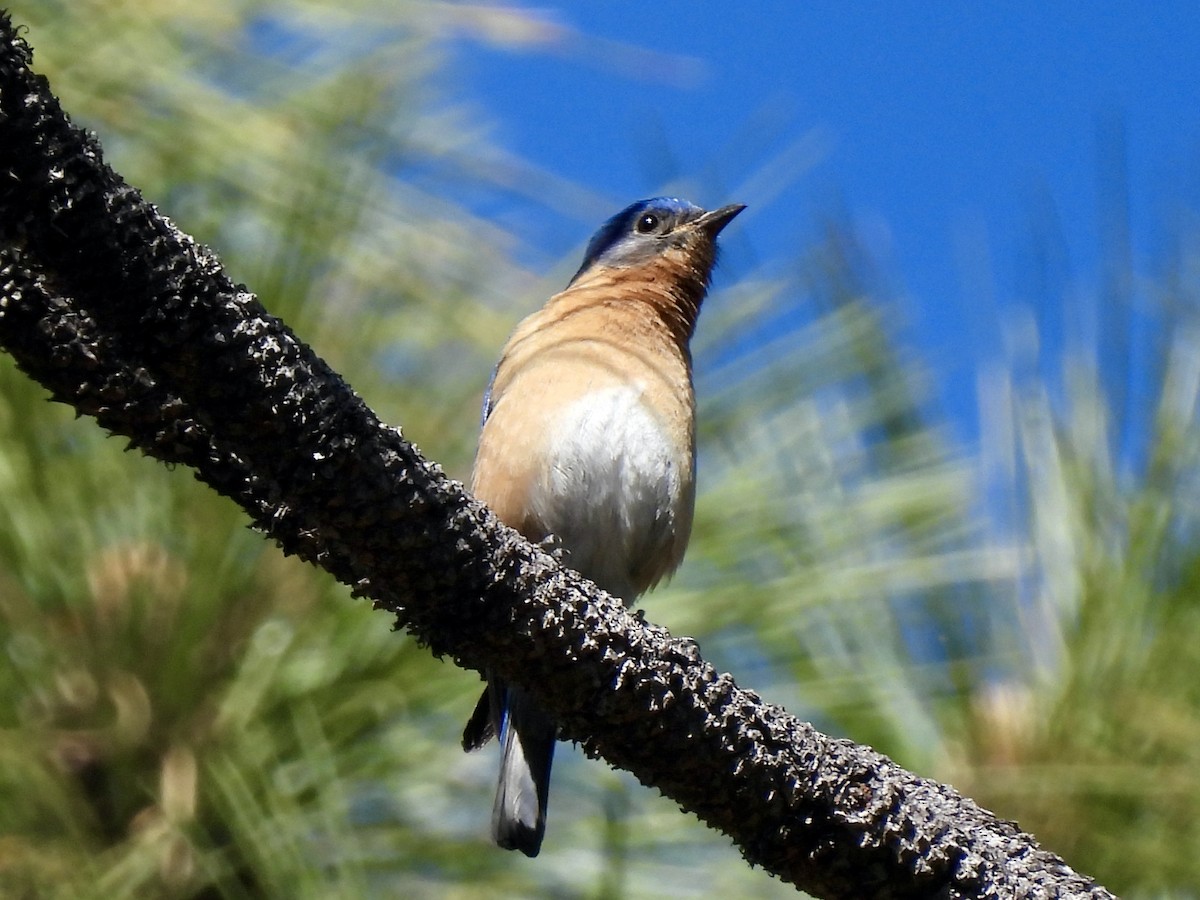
589, 436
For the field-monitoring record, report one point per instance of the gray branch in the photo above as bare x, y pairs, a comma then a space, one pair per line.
121, 315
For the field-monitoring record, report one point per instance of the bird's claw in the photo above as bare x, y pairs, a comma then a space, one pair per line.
552, 544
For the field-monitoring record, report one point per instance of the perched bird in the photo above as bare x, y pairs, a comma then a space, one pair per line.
589, 437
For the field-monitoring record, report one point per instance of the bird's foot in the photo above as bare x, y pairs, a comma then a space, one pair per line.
552, 544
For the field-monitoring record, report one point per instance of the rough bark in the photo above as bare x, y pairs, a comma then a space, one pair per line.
118, 313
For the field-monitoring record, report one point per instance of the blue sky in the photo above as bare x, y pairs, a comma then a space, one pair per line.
951, 133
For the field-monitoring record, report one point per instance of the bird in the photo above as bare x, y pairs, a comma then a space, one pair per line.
588, 441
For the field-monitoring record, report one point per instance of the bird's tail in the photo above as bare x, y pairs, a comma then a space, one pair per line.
527, 738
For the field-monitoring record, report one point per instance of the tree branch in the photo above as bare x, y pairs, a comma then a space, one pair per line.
118, 313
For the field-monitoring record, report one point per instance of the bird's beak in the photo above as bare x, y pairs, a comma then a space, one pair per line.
712, 222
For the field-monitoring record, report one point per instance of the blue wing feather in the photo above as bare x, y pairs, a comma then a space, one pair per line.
487, 397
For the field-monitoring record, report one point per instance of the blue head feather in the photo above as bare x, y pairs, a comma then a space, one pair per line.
617, 242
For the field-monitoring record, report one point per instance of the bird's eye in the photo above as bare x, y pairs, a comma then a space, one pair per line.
648, 223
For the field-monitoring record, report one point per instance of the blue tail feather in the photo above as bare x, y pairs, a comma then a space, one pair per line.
527, 737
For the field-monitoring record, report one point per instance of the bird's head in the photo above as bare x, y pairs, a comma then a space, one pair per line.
651, 229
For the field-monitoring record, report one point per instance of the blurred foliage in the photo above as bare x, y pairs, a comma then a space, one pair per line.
1090, 738
184, 713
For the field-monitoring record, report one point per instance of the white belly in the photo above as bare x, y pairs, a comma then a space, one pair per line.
617, 491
